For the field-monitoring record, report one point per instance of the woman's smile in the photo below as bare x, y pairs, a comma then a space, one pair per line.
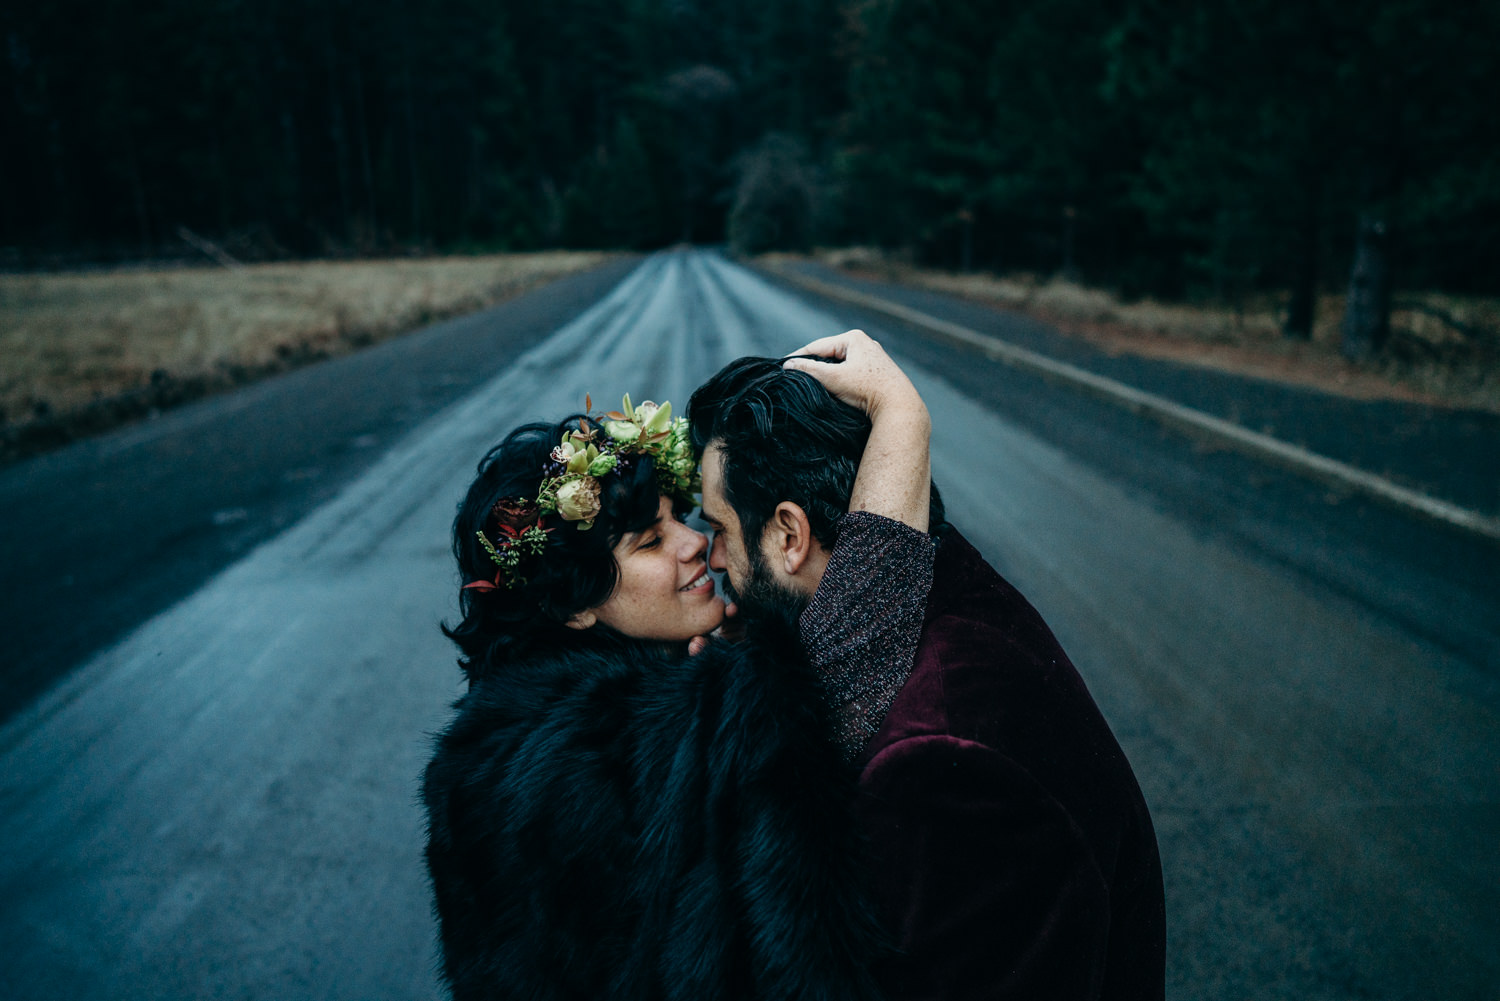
699, 582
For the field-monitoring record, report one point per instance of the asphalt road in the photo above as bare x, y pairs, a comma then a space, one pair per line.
104, 534
220, 803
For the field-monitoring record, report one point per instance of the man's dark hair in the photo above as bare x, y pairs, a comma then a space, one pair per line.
783, 437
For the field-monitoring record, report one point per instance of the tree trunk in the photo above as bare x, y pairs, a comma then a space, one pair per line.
1301, 310
1367, 313
1069, 239
411, 153
338, 133
58, 230
367, 169
138, 193
966, 245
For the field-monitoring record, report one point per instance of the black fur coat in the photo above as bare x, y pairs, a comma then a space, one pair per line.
616, 823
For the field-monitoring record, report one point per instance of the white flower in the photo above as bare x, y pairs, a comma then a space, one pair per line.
578, 500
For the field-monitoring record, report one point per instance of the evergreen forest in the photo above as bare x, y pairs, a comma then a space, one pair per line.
1155, 146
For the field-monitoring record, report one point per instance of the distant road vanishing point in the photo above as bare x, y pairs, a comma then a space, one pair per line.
222, 803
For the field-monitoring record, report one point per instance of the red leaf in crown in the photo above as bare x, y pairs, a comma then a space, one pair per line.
479, 585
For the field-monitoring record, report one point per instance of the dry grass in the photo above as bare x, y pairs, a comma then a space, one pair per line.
1444, 349
98, 348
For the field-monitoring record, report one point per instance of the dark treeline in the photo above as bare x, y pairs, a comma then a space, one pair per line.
1154, 145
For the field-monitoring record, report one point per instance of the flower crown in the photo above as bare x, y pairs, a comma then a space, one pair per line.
571, 486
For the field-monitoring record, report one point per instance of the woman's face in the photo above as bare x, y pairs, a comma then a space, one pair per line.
665, 591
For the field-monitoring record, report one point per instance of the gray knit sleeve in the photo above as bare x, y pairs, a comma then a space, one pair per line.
862, 626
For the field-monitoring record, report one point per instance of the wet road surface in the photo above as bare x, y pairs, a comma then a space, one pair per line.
222, 803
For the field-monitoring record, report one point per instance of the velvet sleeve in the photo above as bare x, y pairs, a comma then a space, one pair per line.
987, 880
862, 627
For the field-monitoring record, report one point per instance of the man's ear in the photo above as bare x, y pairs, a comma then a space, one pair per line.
581, 620
789, 538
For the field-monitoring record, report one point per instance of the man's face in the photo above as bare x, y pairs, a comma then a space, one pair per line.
750, 582
727, 553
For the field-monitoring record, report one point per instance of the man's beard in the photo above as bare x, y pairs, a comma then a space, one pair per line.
763, 594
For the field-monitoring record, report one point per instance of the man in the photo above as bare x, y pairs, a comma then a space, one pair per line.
1013, 854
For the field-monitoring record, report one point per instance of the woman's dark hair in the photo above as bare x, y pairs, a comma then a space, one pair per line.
783, 437
576, 572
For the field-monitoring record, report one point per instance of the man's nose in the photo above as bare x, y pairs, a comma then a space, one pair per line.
716, 559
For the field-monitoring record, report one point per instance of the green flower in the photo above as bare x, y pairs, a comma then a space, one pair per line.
652, 418
603, 464
582, 459
623, 432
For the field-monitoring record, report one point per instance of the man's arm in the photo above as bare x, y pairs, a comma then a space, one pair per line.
863, 625
986, 879
895, 471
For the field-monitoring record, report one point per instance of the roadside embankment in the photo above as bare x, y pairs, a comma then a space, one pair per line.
1443, 349
1430, 460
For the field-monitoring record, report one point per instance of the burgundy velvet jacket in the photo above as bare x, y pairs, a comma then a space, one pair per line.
1014, 854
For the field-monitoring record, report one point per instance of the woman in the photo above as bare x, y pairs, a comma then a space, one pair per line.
608, 816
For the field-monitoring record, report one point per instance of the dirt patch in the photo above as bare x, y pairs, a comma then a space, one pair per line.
1295, 364
86, 352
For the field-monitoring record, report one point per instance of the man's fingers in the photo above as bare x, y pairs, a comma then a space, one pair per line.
836, 346
825, 348
728, 630
844, 385
813, 367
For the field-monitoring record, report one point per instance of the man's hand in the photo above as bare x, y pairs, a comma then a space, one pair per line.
730, 630
856, 369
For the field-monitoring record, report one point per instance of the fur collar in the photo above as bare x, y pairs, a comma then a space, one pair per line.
617, 822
